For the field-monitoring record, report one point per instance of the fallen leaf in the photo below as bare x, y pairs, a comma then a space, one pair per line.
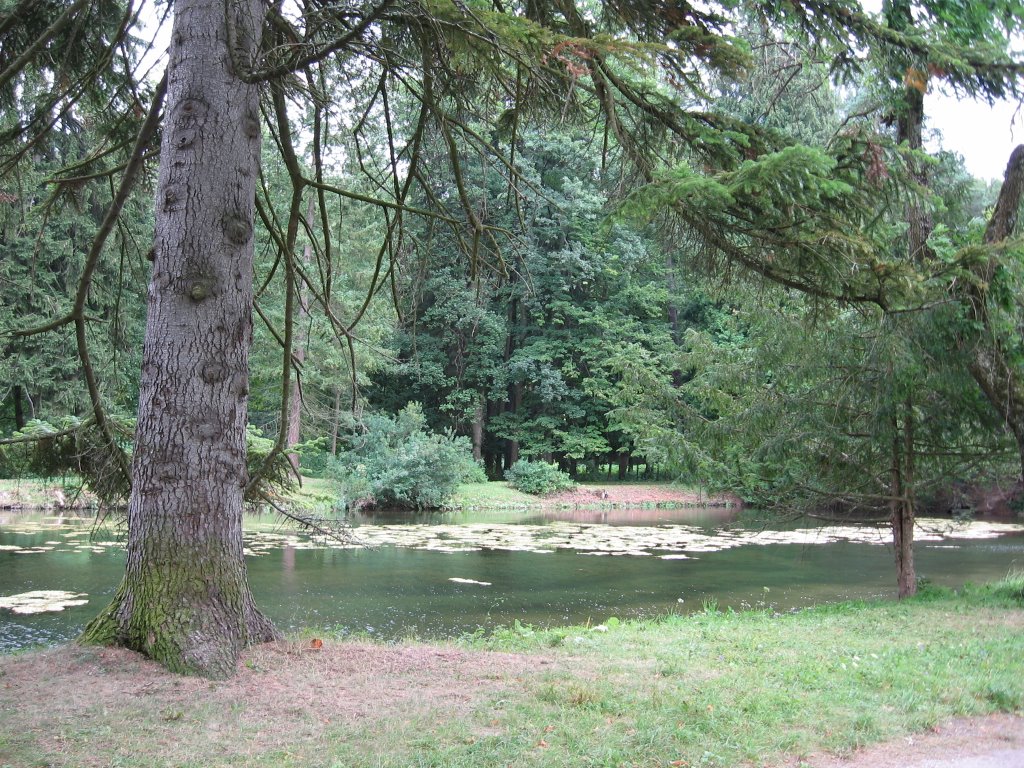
316, 643
549, 729
542, 744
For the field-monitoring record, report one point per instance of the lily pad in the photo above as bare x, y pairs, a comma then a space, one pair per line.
43, 601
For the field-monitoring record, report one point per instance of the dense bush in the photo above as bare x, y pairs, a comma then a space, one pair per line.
537, 477
395, 461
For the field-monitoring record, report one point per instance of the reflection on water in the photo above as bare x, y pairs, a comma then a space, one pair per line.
456, 573
709, 517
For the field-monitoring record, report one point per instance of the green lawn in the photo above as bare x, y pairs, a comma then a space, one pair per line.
495, 495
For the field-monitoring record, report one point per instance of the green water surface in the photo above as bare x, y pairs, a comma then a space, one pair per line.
447, 575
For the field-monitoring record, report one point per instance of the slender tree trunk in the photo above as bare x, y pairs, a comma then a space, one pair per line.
478, 429
515, 391
909, 128
902, 518
299, 349
673, 313
185, 599
336, 424
515, 403
19, 409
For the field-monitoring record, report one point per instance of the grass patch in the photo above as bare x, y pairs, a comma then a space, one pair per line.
493, 495
713, 689
735, 688
1009, 589
315, 491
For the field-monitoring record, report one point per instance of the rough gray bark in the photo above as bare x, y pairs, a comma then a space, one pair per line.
185, 600
990, 365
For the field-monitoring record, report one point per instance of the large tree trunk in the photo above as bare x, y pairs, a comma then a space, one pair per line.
185, 600
990, 364
903, 544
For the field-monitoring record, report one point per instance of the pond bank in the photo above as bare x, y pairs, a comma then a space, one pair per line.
45, 495
714, 689
54, 496
499, 496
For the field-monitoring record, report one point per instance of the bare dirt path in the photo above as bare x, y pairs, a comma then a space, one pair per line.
995, 741
63, 703
636, 494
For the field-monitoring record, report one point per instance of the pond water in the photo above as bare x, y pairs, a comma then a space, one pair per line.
450, 574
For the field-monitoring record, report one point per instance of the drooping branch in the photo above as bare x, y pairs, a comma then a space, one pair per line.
59, 25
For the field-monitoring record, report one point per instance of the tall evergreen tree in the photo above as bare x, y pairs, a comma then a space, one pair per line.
474, 74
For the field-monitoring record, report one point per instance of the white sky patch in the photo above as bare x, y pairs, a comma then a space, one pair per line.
984, 135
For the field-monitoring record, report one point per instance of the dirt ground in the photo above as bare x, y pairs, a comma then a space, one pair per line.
996, 741
377, 681
627, 494
284, 694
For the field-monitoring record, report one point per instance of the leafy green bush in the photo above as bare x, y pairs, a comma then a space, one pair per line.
537, 477
472, 471
395, 461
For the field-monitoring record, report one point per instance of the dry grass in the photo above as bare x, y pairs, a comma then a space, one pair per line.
76, 706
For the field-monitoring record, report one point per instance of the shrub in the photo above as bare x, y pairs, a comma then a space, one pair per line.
395, 461
537, 477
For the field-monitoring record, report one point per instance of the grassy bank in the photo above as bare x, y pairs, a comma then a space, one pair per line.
319, 494
714, 689
36, 493
493, 496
